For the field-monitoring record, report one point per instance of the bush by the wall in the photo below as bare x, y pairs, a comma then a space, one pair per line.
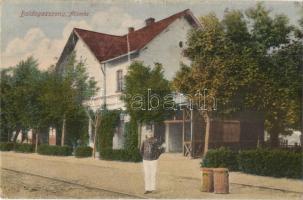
81, 152
121, 155
6, 146
276, 163
222, 157
24, 148
55, 150
131, 134
109, 121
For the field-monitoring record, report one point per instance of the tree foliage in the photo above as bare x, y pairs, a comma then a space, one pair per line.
141, 83
34, 99
109, 121
247, 61
20, 92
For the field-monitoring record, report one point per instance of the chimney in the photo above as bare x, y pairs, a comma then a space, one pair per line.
131, 29
149, 21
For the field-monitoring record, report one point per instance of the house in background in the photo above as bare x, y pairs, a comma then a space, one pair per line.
107, 58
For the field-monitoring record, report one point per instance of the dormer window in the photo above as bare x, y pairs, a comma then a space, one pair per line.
119, 75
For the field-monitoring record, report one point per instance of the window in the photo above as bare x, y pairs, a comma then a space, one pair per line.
119, 81
180, 44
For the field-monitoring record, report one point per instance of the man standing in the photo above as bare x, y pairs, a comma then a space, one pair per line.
150, 151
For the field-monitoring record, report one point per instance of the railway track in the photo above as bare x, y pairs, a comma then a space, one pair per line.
116, 193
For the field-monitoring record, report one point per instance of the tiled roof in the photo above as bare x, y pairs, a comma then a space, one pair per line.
106, 47
103, 46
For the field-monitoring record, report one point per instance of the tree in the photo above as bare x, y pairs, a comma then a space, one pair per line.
142, 83
76, 88
31, 99
57, 99
298, 32
21, 95
76, 127
280, 65
95, 116
282, 92
218, 66
6, 126
240, 68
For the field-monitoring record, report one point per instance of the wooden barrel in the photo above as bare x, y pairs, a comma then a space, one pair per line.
207, 180
221, 181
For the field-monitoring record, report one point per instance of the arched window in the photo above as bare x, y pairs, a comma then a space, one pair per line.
119, 78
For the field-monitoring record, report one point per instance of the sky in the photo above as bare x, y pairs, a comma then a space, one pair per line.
44, 37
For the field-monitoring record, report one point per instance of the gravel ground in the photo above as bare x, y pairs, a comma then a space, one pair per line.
177, 177
19, 185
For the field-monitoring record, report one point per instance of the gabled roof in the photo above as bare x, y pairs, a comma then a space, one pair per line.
105, 46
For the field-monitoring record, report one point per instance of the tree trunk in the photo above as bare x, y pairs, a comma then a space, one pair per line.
16, 135
94, 149
301, 136
24, 137
95, 134
36, 145
274, 139
58, 135
63, 131
140, 135
207, 129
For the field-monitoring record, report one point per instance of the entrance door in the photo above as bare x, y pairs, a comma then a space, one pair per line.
175, 137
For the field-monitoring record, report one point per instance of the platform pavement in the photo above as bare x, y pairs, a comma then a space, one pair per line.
177, 177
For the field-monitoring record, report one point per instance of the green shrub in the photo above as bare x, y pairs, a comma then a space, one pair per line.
222, 157
109, 121
265, 162
121, 154
81, 152
45, 149
24, 148
131, 134
276, 163
6, 146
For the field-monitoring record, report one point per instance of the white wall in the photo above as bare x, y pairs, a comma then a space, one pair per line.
93, 66
113, 96
165, 48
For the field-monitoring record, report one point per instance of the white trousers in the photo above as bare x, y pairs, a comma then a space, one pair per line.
150, 170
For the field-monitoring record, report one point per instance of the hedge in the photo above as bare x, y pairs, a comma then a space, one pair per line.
276, 163
45, 149
81, 152
121, 155
264, 162
222, 157
24, 148
6, 146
